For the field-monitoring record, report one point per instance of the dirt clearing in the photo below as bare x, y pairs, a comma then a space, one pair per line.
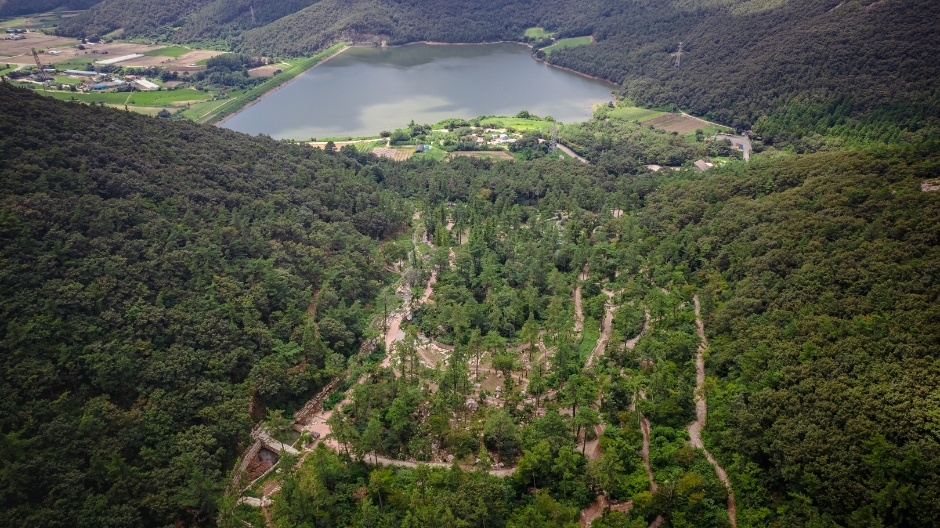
19, 49
265, 71
677, 123
187, 60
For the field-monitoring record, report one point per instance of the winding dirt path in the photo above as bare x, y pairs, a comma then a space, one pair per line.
606, 330
578, 314
701, 412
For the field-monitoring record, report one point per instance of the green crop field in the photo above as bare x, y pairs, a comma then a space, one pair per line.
134, 98
5, 71
537, 32
106, 98
163, 98
171, 51
568, 43
76, 63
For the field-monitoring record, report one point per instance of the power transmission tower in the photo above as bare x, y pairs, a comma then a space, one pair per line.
42, 73
679, 56
553, 144
252, 15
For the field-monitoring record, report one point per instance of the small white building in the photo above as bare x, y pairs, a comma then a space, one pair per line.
119, 59
146, 85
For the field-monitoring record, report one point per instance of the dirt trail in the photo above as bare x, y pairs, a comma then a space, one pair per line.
606, 330
578, 314
701, 412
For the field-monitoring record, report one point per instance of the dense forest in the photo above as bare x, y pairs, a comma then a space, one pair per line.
168, 285
30, 7
859, 70
156, 276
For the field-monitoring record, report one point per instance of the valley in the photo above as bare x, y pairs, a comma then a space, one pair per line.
368, 263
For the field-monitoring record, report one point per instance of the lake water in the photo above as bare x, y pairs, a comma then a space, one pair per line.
365, 90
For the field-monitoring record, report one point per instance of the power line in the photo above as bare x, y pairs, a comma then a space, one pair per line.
553, 144
679, 56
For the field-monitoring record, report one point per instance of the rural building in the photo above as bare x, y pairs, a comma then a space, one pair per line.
419, 148
146, 85
105, 86
81, 72
119, 59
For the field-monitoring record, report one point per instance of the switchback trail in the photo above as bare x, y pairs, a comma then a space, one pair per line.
701, 412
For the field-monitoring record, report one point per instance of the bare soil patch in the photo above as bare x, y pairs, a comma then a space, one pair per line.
183, 61
677, 123
265, 71
70, 50
20, 49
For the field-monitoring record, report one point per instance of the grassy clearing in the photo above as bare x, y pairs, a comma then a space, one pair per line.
197, 111
516, 123
711, 130
537, 32
437, 154
170, 51
630, 113
7, 70
297, 66
64, 79
568, 43
14, 22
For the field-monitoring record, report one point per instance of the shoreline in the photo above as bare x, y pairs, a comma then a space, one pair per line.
278, 87
545, 62
426, 42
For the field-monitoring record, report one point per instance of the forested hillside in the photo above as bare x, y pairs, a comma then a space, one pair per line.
28, 7
156, 276
816, 277
167, 285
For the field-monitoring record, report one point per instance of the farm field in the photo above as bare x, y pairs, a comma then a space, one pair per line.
170, 51
19, 50
569, 43
165, 59
146, 110
165, 99
683, 124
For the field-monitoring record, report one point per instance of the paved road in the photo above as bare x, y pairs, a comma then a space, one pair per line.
571, 153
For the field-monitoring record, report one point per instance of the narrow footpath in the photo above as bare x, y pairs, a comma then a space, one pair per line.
701, 412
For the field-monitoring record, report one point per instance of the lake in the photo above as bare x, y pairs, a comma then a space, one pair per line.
365, 90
